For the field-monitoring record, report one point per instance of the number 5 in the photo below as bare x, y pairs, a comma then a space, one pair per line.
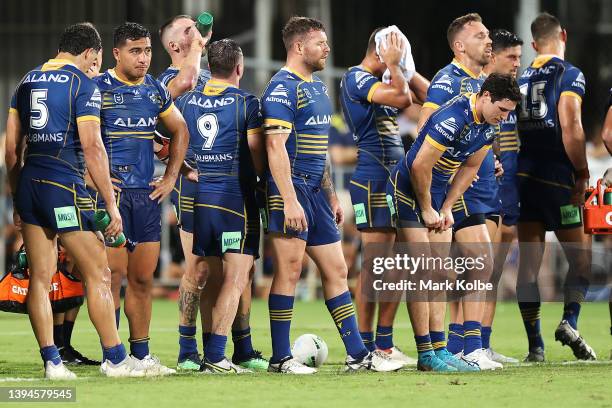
38, 106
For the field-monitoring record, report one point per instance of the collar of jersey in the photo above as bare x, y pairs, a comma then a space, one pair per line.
114, 75
215, 87
297, 74
364, 69
473, 108
542, 59
57, 63
464, 68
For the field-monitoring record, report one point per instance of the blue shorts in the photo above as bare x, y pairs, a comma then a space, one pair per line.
58, 206
225, 223
509, 196
404, 207
322, 228
484, 200
141, 216
548, 204
182, 198
369, 198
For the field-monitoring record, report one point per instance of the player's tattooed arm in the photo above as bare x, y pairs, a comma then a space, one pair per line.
328, 186
326, 183
189, 302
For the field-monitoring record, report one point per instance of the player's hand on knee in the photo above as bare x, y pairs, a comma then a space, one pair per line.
295, 218
162, 187
115, 227
431, 218
446, 219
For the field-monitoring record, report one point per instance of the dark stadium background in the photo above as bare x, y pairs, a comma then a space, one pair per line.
29, 30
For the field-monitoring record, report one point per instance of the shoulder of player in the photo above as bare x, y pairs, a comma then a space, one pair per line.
457, 108
169, 74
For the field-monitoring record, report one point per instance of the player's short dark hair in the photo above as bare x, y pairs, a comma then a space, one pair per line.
502, 39
129, 31
78, 37
372, 40
298, 27
501, 86
544, 26
171, 21
457, 25
223, 56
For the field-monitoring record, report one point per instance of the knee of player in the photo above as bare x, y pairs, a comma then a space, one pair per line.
139, 281
335, 273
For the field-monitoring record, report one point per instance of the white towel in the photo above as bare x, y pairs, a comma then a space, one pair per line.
406, 62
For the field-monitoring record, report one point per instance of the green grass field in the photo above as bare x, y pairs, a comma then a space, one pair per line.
561, 382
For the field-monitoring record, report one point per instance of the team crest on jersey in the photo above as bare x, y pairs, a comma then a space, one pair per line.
491, 132
325, 90
155, 98
118, 98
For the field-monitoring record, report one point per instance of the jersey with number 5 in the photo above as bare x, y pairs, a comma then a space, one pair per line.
220, 117
542, 85
50, 101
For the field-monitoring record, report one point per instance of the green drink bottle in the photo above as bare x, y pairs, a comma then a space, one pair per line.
101, 220
608, 196
204, 23
22, 260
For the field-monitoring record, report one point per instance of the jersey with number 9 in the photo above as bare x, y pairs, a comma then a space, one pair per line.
220, 117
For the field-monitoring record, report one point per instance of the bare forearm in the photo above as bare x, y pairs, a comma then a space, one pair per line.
398, 81
97, 166
178, 149
421, 182
419, 85
327, 184
574, 141
281, 171
462, 180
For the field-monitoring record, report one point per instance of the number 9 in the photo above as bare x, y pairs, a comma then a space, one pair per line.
208, 126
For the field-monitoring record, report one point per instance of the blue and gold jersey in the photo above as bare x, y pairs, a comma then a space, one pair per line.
542, 85
455, 130
303, 106
129, 116
166, 77
508, 145
220, 117
456, 79
374, 126
50, 101
452, 80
